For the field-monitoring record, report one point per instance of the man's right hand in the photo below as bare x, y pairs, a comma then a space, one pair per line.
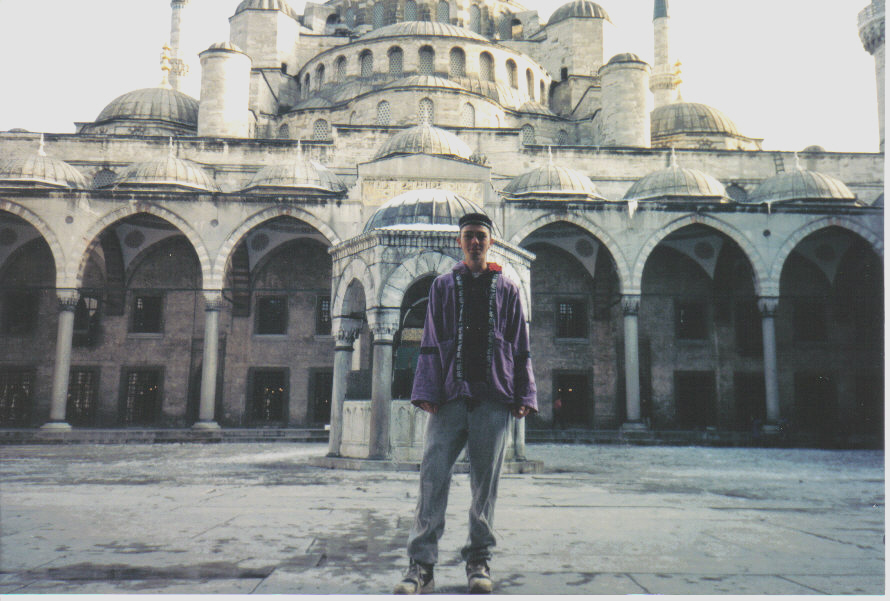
429, 407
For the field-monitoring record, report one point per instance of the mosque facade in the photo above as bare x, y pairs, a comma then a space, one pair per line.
261, 256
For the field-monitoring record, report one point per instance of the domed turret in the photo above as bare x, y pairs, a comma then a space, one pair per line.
423, 210
578, 9
425, 139
802, 185
300, 174
39, 170
678, 184
553, 182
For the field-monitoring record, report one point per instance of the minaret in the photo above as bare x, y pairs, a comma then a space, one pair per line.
871, 32
178, 67
665, 77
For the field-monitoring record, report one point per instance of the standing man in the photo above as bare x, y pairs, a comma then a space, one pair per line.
473, 371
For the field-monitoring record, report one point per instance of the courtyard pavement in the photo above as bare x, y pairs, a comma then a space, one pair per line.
608, 519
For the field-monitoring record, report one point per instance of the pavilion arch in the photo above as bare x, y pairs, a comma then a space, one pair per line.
218, 271
45, 231
588, 226
391, 291
357, 272
80, 257
872, 238
758, 266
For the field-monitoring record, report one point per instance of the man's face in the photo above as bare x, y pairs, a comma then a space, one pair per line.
475, 241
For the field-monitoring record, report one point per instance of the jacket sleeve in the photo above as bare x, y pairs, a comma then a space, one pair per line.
524, 389
428, 377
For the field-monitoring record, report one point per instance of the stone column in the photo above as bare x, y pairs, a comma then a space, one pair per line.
630, 303
346, 333
768, 306
384, 324
213, 303
68, 299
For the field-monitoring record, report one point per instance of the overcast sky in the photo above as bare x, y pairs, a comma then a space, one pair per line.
790, 71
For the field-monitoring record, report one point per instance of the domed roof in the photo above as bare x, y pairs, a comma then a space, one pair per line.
169, 171
40, 170
584, 9
422, 28
302, 173
530, 106
677, 183
426, 209
814, 148
425, 139
224, 46
163, 104
267, 5
625, 57
504, 95
424, 81
553, 180
690, 117
800, 184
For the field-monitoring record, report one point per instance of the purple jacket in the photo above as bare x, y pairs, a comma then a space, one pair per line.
439, 378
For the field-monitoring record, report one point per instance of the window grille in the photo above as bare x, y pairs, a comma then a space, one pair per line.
571, 319
16, 386
103, 178
528, 135
457, 63
271, 315
268, 395
395, 62
475, 19
83, 386
562, 137
147, 314
367, 63
443, 12
543, 98
350, 17
530, 84
319, 76
142, 397
505, 27
377, 15
341, 68
410, 10
306, 81
468, 116
321, 130
323, 315
284, 132
86, 321
511, 74
486, 67
384, 113
427, 57
425, 111
321, 385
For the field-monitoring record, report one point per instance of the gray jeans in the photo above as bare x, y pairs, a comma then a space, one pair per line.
484, 430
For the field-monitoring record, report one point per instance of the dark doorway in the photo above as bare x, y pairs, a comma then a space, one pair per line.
695, 396
268, 397
141, 402
321, 384
16, 385
571, 403
406, 346
750, 399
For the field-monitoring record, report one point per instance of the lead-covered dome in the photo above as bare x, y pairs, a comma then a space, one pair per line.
802, 185
280, 5
690, 117
300, 174
422, 29
554, 183
160, 104
425, 139
166, 172
583, 9
427, 209
39, 170
677, 183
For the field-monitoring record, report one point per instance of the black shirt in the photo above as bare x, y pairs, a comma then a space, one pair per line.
476, 326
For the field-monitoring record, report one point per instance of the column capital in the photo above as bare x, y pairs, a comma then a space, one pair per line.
383, 323
768, 305
630, 304
68, 299
213, 300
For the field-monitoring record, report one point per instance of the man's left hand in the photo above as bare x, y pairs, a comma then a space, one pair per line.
520, 411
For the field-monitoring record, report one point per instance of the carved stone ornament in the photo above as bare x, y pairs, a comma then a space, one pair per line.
213, 300
346, 337
768, 305
630, 304
68, 299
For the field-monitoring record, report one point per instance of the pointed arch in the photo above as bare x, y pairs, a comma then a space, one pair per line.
393, 287
46, 232
356, 271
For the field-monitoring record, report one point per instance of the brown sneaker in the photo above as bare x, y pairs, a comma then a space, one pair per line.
478, 577
418, 580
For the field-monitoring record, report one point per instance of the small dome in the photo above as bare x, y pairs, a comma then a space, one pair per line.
422, 29
553, 180
625, 57
801, 185
267, 5
40, 170
17, 130
302, 173
690, 117
584, 9
814, 148
530, 106
169, 171
504, 95
163, 104
426, 209
224, 46
677, 183
425, 139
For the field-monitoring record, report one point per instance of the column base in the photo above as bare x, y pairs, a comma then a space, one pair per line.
206, 425
56, 427
633, 427
770, 429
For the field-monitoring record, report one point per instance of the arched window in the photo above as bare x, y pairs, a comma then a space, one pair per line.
103, 178
395, 61
543, 98
528, 134
475, 19
468, 115
319, 76
427, 58
562, 137
341, 68
457, 63
306, 87
410, 10
284, 131
530, 84
511, 73
505, 27
384, 113
366, 61
425, 111
350, 17
377, 16
486, 67
321, 130
443, 12
516, 29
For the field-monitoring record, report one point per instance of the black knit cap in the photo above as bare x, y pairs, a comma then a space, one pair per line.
475, 219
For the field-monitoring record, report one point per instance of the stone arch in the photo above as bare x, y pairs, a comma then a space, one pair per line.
218, 272
621, 264
758, 266
46, 232
392, 289
357, 271
75, 268
796, 237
